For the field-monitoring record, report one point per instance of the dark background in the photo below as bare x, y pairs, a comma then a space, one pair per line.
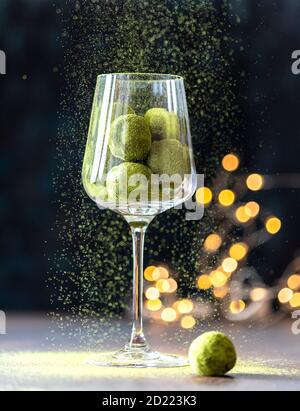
30, 102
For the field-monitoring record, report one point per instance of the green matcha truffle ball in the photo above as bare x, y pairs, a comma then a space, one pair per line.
172, 126
163, 124
212, 354
130, 138
96, 191
118, 181
121, 109
166, 157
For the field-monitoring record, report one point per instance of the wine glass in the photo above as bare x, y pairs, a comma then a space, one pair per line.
139, 162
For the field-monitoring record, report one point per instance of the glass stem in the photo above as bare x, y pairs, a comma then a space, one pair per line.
138, 340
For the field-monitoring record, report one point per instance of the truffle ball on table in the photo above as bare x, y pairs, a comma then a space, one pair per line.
212, 354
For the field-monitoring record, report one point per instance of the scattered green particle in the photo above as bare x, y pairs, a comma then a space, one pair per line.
92, 245
38, 367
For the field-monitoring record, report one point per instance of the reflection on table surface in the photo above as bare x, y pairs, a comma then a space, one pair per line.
31, 358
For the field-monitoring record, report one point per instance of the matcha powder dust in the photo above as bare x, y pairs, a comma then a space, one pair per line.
91, 275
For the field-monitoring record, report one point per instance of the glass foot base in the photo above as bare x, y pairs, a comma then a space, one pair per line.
133, 359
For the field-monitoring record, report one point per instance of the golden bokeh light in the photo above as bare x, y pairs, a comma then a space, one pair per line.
294, 281
295, 301
172, 285
230, 162
185, 306
221, 292
229, 265
285, 295
218, 278
152, 293
168, 314
212, 243
228, 274
258, 294
252, 209
148, 273
273, 225
204, 282
204, 195
238, 251
163, 286
241, 214
160, 273
226, 198
154, 305
187, 322
237, 306
255, 182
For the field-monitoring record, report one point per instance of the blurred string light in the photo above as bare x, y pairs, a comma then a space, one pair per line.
258, 294
204, 282
285, 295
289, 291
160, 273
273, 225
152, 293
172, 285
252, 209
295, 300
168, 314
185, 306
148, 273
242, 215
237, 306
229, 259
218, 278
238, 251
226, 197
294, 281
163, 286
221, 292
229, 265
160, 298
188, 321
230, 162
154, 305
212, 242
255, 182
204, 196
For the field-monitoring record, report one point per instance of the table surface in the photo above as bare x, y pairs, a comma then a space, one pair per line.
30, 360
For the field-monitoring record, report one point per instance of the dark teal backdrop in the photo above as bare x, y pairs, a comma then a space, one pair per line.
266, 130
